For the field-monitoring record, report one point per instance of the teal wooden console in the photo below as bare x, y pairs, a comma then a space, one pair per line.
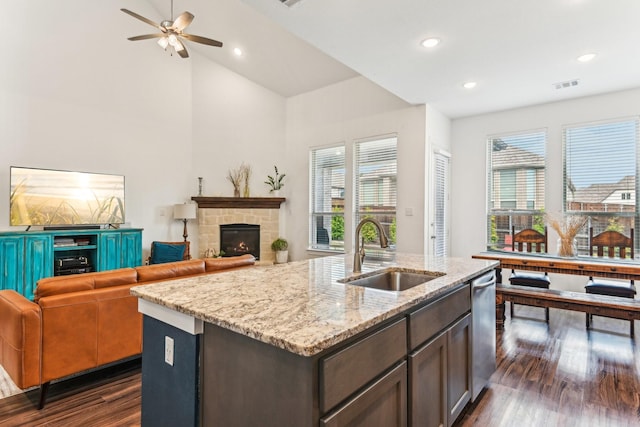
26, 257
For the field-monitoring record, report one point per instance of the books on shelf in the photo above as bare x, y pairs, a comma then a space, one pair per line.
64, 241
71, 241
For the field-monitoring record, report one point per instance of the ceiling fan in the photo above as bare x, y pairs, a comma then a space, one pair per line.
172, 32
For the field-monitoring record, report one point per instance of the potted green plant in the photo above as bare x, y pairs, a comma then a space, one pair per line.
280, 246
275, 182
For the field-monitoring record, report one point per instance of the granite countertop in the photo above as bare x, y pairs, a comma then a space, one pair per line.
300, 306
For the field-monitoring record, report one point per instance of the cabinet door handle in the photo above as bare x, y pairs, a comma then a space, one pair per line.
614, 269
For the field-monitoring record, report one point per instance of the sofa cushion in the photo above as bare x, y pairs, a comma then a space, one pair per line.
84, 282
166, 252
535, 280
613, 288
170, 270
215, 264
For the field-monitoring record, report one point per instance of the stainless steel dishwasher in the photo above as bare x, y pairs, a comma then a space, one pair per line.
483, 332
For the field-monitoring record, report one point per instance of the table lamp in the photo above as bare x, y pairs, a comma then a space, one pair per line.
185, 212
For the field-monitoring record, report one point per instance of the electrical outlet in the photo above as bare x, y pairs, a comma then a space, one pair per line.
168, 350
162, 212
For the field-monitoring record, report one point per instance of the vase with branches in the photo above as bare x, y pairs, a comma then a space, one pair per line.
567, 227
235, 177
246, 175
239, 178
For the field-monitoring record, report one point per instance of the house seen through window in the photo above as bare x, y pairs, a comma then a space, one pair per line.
516, 184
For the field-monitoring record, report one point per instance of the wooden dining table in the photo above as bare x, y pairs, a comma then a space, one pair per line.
612, 268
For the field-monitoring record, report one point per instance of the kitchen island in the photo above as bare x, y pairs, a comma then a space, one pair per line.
291, 345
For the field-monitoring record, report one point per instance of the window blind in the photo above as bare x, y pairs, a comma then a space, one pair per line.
327, 198
440, 226
375, 186
600, 174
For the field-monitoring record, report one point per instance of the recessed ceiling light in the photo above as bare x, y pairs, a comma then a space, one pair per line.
430, 42
237, 51
469, 85
586, 57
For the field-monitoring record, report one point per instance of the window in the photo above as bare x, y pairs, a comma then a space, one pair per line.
600, 176
516, 185
327, 198
376, 188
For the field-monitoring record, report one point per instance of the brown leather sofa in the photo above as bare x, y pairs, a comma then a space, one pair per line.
83, 321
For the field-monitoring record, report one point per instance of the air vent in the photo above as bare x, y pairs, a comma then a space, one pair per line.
289, 2
568, 83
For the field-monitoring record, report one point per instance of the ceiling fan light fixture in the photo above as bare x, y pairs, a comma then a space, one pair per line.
172, 32
163, 42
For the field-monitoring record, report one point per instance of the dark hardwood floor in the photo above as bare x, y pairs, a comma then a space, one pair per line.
555, 375
560, 374
108, 397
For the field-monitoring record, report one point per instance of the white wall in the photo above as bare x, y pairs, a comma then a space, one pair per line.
75, 94
234, 121
84, 98
342, 113
469, 137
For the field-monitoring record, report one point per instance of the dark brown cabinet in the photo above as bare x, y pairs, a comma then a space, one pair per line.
346, 371
383, 404
428, 384
413, 369
440, 369
458, 367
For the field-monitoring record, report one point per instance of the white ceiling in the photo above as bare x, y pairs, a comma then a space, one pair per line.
514, 50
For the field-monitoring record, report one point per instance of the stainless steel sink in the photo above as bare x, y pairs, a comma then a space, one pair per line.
392, 279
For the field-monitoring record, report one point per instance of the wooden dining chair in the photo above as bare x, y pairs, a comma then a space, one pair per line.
611, 244
532, 241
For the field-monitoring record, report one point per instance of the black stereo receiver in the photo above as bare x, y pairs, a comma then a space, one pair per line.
77, 270
71, 262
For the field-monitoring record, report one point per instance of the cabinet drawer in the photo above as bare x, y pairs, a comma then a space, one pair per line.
383, 403
434, 317
344, 372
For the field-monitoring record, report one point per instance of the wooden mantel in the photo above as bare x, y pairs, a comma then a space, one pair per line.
239, 202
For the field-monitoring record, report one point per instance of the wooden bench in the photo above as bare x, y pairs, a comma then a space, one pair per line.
601, 305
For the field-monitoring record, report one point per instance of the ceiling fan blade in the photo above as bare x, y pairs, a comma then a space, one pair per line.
181, 49
143, 19
182, 21
202, 40
146, 36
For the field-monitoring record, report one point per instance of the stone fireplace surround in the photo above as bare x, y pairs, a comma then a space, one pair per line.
214, 211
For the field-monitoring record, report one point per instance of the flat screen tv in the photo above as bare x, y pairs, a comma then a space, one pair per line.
64, 198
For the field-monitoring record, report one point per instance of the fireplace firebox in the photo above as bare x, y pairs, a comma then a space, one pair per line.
240, 239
